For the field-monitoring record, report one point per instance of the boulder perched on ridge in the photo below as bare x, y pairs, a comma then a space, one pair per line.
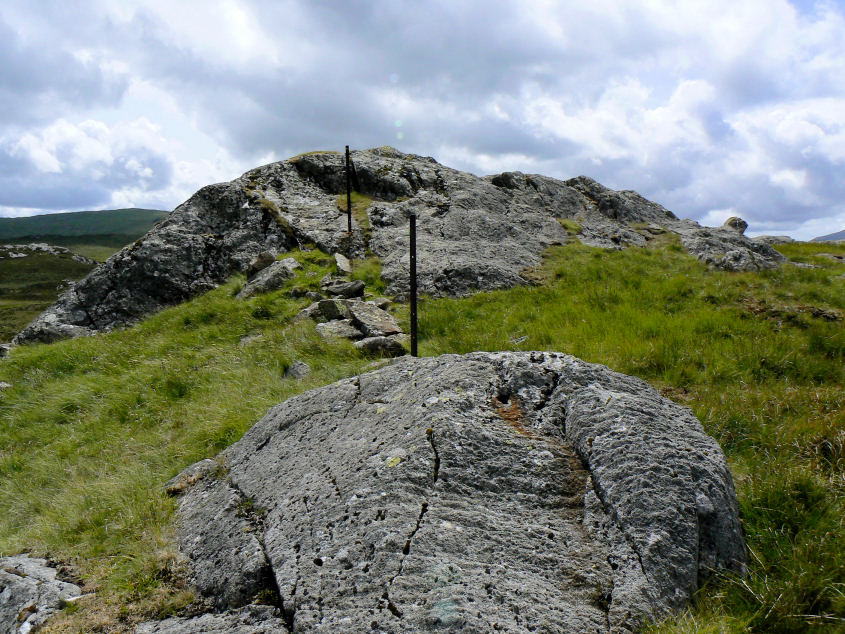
509, 492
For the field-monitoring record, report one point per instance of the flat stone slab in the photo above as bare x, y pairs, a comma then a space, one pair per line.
487, 492
340, 328
270, 278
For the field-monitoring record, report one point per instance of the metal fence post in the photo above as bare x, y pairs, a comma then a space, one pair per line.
413, 272
348, 196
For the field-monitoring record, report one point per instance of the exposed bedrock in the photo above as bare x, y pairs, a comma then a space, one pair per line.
490, 491
474, 233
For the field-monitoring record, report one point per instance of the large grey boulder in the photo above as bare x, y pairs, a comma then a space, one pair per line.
30, 593
488, 492
473, 233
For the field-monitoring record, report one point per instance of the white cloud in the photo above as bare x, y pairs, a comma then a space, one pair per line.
704, 106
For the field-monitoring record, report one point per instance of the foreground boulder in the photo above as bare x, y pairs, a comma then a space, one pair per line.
473, 233
488, 492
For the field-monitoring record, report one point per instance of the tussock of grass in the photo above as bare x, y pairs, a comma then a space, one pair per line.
92, 428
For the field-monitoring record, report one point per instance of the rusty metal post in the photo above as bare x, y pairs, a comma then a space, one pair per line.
348, 195
413, 272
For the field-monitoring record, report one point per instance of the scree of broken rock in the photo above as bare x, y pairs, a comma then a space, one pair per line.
473, 233
507, 492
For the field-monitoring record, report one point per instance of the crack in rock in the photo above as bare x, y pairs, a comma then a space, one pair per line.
576, 494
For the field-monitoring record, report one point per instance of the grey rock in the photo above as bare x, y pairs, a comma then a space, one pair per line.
342, 262
473, 233
735, 223
4, 385
452, 492
5, 349
325, 310
249, 339
30, 593
726, 249
298, 370
261, 262
270, 278
380, 302
372, 320
344, 288
252, 619
773, 239
339, 328
381, 347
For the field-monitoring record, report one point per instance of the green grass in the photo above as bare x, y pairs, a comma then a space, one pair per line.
110, 222
28, 286
92, 428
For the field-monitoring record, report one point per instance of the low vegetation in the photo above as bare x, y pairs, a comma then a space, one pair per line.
30, 284
92, 428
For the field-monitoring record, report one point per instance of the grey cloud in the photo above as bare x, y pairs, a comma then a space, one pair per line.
39, 81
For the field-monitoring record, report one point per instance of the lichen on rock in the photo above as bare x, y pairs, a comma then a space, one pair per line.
491, 491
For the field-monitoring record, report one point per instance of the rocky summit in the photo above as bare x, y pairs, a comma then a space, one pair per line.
474, 233
514, 492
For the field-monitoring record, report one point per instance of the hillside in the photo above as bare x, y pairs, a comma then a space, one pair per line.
93, 427
839, 235
30, 280
113, 228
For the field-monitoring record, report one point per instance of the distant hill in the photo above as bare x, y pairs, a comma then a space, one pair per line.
111, 227
839, 235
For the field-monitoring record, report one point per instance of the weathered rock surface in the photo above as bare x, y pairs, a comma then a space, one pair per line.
473, 233
261, 262
30, 593
491, 491
298, 370
339, 329
726, 248
252, 619
270, 278
344, 288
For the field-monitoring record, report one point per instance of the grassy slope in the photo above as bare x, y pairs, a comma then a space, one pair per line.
92, 428
134, 222
28, 286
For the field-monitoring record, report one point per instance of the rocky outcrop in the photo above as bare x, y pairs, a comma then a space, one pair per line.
30, 593
488, 492
473, 233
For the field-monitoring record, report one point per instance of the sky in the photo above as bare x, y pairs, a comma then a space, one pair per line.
713, 108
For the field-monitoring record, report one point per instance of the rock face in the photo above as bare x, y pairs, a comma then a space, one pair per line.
473, 233
488, 492
30, 593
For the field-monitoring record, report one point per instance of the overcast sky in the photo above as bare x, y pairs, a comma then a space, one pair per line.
712, 108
